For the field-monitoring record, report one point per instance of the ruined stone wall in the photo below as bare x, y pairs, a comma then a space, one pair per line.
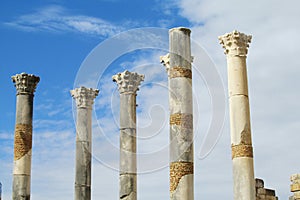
263, 193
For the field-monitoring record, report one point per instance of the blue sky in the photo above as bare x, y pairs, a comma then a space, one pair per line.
56, 39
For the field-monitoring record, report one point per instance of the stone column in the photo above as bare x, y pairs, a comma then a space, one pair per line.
0, 190
84, 98
25, 85
236, 47
179, 69
128, 83
295, 187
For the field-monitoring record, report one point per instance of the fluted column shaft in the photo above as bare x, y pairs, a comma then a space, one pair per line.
25, 85
178, 65
128, 85
84, 101
236, 47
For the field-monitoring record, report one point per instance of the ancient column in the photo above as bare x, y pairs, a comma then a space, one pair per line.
236, 47
0, 190
25, 85
179, 69
295, 187
128, 83
84, 98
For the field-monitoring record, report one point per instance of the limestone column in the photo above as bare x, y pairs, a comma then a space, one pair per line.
25, 85
128, 83
295, 187
84, 98
236, 47
179, 69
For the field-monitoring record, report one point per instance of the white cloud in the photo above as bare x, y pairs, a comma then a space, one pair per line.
57, 19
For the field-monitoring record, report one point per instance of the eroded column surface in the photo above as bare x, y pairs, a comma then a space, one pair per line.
295, 187
84, 98
25, 85
236, 47
178, 64
128, 83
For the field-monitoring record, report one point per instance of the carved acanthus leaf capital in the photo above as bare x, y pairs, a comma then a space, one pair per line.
165, 60
128, 82
84, 97
25, 83
235, 43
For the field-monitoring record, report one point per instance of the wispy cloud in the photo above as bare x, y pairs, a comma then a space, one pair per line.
58, 19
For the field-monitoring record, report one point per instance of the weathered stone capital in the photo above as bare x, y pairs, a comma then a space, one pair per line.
84, 96
165, 60
128, 82
235, 43
25, 83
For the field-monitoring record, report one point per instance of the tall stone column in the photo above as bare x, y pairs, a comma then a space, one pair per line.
25, 85
179, 69
84, 98
236, 47
128, 83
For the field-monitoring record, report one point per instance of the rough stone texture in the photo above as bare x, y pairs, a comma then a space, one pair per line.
295, 186
264, 193
242, 151
236, 47
84, 98
184, 190
128, 83
179, 69
25, 85
177, 171
180, 72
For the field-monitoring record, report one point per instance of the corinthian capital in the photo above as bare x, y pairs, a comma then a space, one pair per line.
84, 97
128, 82
235, 43
165, 60
25, 83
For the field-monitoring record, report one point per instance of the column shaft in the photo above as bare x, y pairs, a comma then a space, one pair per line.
84, 100
25, 85
236, 45
128, 177
178, 65
83, 154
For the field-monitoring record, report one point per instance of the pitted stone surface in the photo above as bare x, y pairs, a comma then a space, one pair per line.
23, 140
25, 83
84, 96
235, 43
177, 171
176, 72
182, 119
242, 150
128, 82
